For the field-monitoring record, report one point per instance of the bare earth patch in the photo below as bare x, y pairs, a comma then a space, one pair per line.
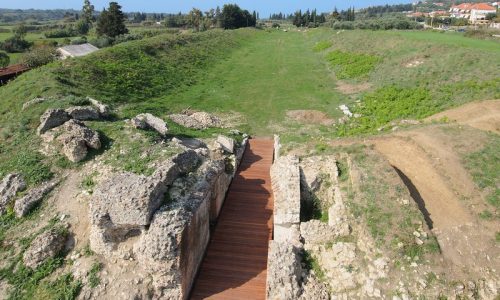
484, 115
414, 63
349, 89
310, 117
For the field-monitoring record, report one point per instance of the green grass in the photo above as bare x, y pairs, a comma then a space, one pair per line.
27, 283
322, 45
391, 103
312, 264
93, 277
484, 167
349, 65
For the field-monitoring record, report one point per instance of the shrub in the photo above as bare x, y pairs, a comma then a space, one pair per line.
4, 59
39, 56
61, 33
82, 27
79, 41
378, 24
351, 65
102, 42
15, 45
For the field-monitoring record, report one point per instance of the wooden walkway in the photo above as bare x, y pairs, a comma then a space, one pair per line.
235, 265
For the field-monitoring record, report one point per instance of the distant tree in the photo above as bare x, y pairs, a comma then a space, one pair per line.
233, 17
16, 43
20, 31
88, 12
4, 59
491, 16
112, 21
82, 26
195, 18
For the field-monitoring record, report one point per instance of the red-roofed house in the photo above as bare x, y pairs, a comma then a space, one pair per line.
461, 11
479, 12
475, 12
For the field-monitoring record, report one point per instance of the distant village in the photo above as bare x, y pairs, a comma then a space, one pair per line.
463, 14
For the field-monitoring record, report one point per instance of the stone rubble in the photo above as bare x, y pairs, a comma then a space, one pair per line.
148, 121
45, 246
83, 113
9, 187
103, 109
227, 144
33, 197
33, 102
196, 120
52, 118
76, 140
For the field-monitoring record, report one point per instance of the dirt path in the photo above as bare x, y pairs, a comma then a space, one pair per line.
484, 115
443, 205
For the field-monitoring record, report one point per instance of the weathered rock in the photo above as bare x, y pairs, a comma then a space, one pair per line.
148, 121
43, 247
206, 120
75, 149
186, 121
173, 247
338, 263
103, 109
46, 245
197, 120
52, 118
283, 271
32, 102
313, 289
83, 113
127, 199
33, 197
189, 143
226, 143
337, 213
9, 187
285, 180
317, 232
124, 204
76, 138
180, 164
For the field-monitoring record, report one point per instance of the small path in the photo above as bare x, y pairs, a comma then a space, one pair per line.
235, 265
483, 115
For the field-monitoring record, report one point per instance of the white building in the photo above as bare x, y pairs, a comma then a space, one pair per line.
76, 50
475, 12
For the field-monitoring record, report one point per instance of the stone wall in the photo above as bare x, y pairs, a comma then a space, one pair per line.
285, 180
133, 219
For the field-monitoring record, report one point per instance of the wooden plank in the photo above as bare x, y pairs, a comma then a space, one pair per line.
235, 265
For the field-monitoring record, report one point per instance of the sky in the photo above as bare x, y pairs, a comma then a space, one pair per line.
264, 7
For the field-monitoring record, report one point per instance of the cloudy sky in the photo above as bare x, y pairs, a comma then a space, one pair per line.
264, 7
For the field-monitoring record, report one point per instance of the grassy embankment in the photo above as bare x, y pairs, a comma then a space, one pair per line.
261, 75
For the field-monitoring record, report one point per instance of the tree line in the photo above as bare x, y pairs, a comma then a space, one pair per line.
231, 16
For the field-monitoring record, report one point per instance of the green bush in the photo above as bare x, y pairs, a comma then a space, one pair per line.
79, 41
349, 65
4, 59
39, 56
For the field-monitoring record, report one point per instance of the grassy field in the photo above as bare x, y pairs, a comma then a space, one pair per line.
259, 76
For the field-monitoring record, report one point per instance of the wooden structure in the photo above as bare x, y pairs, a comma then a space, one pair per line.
235, 265
12, 72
